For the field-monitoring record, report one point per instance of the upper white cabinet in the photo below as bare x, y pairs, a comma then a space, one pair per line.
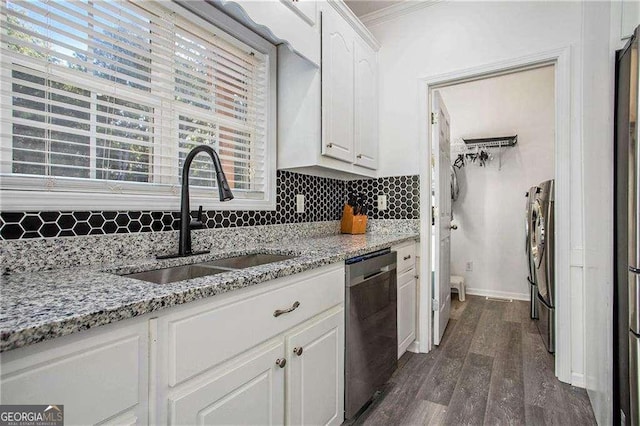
366, 106
327, 117
290, 22
306, 9
338, 92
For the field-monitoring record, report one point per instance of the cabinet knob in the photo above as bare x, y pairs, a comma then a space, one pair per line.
407, 257
359, 155
329, 145
281, 362
297, 350
416, 277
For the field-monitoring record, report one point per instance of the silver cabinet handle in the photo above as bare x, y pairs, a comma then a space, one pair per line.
297, 350
407, 257
359, 155
329, 145
293, 307
416, 277
281, 362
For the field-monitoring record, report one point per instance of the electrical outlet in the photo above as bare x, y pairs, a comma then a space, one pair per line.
469, 266
299, 203
382, 202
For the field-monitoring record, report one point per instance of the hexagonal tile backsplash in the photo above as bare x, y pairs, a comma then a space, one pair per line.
324, 199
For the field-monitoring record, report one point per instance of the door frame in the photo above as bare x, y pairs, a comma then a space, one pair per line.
561, 60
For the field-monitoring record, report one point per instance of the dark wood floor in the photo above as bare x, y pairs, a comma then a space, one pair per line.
492, 368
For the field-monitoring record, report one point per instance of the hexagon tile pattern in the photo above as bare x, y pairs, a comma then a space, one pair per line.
324, 199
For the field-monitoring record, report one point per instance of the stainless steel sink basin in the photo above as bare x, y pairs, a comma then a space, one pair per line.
247, 261
177, 273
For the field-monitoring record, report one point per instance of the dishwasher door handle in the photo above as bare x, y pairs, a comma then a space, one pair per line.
368, 277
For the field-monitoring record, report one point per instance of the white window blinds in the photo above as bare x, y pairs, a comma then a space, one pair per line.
104, 96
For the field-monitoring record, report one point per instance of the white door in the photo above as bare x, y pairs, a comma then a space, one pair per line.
315, 376
250, 392
442, 204
366, 107
337, 86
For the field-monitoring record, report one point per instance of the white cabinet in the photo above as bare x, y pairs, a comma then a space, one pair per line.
99, 376
215, 360
290, 22
306, 9
315, 385
407, 278
327, 117
366, 106
338, 63
249, 392
406, 310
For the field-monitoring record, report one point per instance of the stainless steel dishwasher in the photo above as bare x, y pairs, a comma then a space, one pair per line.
371, 337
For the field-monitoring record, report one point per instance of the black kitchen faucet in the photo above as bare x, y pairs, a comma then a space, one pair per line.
186, 223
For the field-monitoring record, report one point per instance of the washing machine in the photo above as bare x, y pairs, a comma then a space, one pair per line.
543, 251
528, 226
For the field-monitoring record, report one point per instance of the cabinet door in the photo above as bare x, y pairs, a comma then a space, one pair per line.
249, 392
337, 87
366, 106
315, 376
99, 375
406, 310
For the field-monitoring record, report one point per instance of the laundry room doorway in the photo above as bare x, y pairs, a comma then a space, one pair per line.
495, 159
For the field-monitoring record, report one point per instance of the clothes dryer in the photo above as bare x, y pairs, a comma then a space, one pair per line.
528, 226
543, 251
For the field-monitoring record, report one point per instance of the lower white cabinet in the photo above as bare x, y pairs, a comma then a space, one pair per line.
268, 354
249, 392
100, 376
407, 278
315, 384
406, 310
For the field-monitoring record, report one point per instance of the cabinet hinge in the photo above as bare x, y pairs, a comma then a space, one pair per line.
434, 305
434, 118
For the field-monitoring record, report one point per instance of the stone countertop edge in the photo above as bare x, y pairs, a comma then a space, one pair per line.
39, 306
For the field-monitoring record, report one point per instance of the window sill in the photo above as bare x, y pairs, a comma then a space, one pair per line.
28, 201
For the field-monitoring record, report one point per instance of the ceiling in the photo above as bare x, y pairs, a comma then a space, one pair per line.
363, 7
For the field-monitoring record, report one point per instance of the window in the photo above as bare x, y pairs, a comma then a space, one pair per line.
102, 101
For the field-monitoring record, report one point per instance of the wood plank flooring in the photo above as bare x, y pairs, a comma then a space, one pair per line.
491, 368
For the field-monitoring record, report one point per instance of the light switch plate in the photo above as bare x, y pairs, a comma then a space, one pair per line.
299, 203
382, 202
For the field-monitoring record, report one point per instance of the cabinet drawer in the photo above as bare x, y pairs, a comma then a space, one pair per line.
406, 257
405, 277
218, 332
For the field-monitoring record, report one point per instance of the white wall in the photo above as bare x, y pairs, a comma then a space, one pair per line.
490, 208
452, 36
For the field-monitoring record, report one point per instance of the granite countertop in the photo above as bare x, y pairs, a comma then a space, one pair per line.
39, 306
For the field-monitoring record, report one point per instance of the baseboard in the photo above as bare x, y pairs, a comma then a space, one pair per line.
414, 347
577, 380
497, 294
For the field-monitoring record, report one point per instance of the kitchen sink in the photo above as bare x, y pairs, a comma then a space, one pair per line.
247, 261
187, 272
176, 273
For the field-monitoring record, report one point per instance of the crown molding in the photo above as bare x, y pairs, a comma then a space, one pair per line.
346, 12
402, 8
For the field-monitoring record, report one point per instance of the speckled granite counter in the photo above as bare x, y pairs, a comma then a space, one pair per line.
38, 306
